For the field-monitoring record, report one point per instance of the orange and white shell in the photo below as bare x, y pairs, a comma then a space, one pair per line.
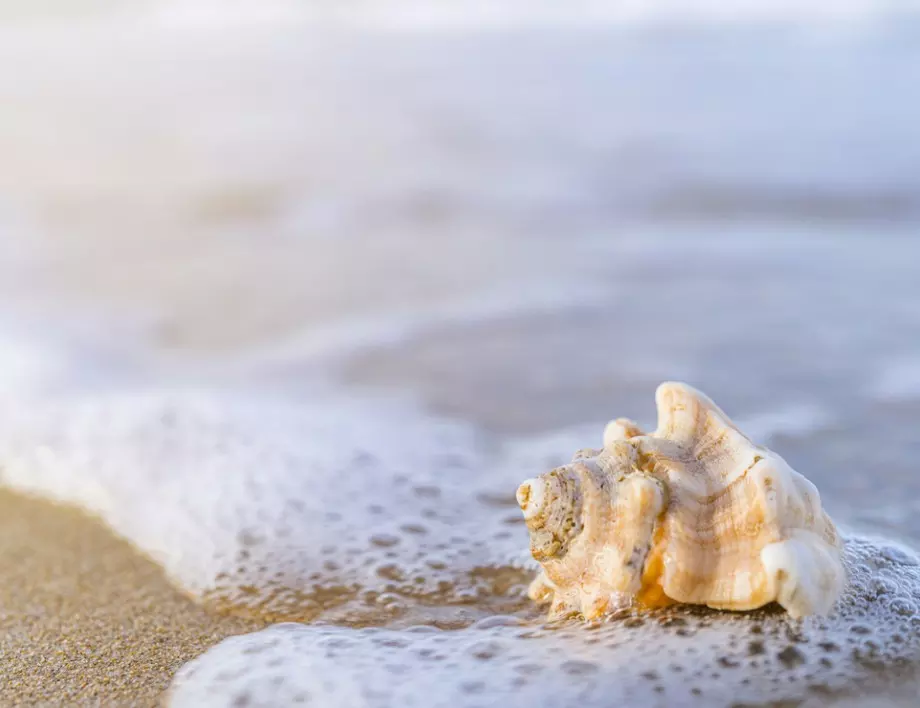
692, 513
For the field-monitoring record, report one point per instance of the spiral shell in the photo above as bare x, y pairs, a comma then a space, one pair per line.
692, 513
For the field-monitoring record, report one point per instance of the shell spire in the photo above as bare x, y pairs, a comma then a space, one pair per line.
692, 513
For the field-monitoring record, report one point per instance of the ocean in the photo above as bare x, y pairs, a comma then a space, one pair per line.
294, 297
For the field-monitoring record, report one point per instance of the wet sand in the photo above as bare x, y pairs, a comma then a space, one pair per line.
85, 618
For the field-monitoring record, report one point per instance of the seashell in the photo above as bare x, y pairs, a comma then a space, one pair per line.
692, 513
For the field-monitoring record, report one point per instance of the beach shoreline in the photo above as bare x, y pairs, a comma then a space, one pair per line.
84, 617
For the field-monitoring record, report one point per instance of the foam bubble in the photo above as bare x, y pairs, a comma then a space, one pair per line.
372, 512
683, 656
278, 507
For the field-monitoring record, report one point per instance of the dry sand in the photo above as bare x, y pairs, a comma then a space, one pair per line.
84, 618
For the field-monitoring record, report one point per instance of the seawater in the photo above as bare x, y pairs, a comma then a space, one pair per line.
296, 312
368, 497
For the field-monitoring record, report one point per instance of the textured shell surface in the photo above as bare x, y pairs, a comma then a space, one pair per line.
694, 512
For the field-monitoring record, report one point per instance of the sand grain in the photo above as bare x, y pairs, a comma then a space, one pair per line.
86, 619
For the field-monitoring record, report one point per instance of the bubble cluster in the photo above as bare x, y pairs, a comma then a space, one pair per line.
399, 532
684, 656
281, 508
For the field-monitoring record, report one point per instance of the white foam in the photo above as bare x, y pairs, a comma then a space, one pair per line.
265, 501
676, 658
231, 491
370, 509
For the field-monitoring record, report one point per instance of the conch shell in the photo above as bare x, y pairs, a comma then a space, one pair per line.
693, 513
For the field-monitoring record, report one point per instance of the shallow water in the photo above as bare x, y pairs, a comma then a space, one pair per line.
678, 657
296, 308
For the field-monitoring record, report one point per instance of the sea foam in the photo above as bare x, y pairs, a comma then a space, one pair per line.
397, 530
675, 658
264, 503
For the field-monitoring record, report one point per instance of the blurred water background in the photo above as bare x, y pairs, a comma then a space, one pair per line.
527, 215
521, 215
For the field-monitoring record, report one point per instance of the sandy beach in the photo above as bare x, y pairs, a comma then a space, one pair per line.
84, 618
